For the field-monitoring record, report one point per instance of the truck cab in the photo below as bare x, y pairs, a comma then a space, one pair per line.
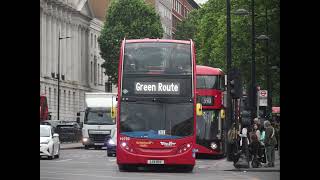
99, 119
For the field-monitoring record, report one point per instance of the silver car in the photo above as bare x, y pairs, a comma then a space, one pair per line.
49, 142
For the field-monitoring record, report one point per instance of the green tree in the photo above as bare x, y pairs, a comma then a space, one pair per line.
207, 27
130, 19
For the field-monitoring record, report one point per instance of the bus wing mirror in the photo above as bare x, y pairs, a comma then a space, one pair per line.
113, 112
222, 114
199, 109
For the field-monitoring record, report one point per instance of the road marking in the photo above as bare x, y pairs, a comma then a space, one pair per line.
45, 177
63, 160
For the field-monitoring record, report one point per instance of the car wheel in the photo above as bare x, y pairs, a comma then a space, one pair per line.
52, 154
86, 147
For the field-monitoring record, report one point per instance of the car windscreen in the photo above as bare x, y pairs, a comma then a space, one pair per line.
44, 132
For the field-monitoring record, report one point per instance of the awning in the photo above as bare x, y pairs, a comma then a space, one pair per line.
276, 110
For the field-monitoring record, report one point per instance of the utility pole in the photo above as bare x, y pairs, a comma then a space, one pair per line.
253, 66
59, 72
229, 118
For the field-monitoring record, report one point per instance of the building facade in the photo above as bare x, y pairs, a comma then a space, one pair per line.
180, 11
79, 57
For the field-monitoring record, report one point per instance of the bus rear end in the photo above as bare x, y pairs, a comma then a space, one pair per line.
210, 87
156, 104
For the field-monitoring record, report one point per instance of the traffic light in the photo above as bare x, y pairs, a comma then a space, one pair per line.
235, 83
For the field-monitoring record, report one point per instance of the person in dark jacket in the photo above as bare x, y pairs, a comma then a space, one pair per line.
270, 141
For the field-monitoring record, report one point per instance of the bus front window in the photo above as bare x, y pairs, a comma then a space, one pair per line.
207, 82
156, 120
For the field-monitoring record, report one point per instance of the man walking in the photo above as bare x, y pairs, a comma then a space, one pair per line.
270, 141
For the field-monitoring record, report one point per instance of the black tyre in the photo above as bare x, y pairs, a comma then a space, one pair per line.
86, 147
52, 155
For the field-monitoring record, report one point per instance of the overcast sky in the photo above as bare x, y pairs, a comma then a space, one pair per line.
200, 1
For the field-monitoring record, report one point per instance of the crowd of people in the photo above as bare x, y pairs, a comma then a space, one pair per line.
257, 143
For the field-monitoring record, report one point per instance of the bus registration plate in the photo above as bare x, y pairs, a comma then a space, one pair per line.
155, 162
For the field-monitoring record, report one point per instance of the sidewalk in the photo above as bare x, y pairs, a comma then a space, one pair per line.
72, 145
261, 169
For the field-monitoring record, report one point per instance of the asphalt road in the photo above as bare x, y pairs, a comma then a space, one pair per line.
83, 164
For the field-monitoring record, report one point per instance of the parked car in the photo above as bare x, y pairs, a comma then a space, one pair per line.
69, 131
49, 142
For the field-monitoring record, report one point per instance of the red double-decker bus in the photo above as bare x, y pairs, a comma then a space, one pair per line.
210, 87
43, 108
156, 104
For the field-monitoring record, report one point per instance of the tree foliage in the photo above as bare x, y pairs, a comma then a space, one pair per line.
207, 27
130, 19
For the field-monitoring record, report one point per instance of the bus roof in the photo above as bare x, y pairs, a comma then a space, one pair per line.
206, 70
157, 40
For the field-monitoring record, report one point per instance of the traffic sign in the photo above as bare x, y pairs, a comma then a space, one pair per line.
263, 93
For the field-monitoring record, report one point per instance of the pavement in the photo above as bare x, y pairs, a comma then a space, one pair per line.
221, 164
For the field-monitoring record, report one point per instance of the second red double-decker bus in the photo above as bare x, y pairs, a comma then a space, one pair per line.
156, 104
43, 108
210, 87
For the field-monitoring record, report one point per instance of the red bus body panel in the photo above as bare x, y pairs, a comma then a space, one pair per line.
43, 108
217, 104
154, 151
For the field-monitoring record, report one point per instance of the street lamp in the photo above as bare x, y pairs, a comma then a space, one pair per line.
253, 94
266, 39
60, 38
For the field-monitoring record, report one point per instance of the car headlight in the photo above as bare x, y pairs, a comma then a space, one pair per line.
213, 145
84, 139
111, 142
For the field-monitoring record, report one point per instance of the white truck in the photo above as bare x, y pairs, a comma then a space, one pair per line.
99, 119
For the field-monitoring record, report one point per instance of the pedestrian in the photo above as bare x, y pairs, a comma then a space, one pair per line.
255, 151
270, 141
256, 131
232, 141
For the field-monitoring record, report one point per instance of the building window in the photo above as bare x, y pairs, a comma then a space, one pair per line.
101, 75
95, 41
91, 72
108, 86
98, 74
69, 101
74, 101
54, 96
95, 70
65, 100
91, 40
49, 98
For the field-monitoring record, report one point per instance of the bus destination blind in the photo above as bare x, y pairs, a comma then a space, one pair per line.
157, 88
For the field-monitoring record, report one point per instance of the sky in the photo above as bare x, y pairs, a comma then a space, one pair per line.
200, 1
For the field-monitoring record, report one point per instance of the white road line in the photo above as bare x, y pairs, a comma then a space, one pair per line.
63, 160
45, 177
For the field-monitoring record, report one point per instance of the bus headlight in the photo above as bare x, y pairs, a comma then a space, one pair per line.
184, 148
126, 147
213, 145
